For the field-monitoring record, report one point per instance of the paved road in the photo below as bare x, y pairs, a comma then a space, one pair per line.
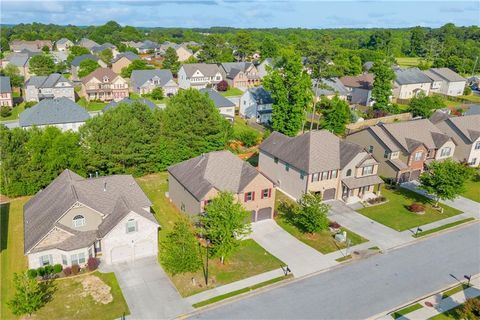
369, 287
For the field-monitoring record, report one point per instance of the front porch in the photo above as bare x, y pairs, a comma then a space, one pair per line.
361, 189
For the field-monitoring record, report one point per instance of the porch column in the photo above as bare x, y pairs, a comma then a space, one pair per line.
379, 189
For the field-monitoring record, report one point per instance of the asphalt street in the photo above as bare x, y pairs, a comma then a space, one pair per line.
365, 288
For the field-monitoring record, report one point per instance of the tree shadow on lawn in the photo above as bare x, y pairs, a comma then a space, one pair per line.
411, 195
5, 215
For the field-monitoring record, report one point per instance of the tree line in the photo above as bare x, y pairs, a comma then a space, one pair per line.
130, 139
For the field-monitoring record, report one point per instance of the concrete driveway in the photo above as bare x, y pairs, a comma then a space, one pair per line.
300, 258
377, 233
148, 290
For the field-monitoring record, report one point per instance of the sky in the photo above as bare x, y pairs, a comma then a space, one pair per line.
244, 13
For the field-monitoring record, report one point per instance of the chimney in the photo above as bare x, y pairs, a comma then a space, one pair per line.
105, 185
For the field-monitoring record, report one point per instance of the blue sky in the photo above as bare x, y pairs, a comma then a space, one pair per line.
244, 13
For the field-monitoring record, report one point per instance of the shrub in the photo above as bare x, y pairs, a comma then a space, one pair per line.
93, 263
5, 111
75, 269
30, 104
157, 94
334, 225
48, 270
67, 271
248, 137
32, 273
467, 91
57, 268
41, 271
416, 207
222, 86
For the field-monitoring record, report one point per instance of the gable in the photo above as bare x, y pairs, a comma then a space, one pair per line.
55, 236
92, 217
197, 73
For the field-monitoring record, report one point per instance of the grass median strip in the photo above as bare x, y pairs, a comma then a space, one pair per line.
235, 293
454, 290
344, 258
406, 310
445, 226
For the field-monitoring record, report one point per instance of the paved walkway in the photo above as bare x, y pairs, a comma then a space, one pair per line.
378, 234
300, 258
148, 290
234, 286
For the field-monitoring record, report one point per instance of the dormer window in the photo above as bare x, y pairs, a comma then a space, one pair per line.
131, 226
78, 221
105, 79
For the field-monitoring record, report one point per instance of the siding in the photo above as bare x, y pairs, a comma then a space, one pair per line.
92, 218
179, 195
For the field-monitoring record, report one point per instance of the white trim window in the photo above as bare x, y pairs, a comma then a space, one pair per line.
131, 226
368, 170
334, 174
477, 145
78, 258
46, 260
78, 221
64, 260
418, 156
445, 152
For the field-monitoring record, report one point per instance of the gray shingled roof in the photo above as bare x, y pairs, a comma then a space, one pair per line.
147, 44
469, 126
219, 100
121, 195
438, 116
261, 95
221, 170
114, 104
46, 81
329, 87
87, 43
311, 152
140, 77
411, 76
62, 41
354, 183
207, 69
53, 111
5, 85
77, 60
128, 54
233, 68
447, 74
18, 59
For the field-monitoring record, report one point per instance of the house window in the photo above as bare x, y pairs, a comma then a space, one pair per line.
394, 155
78, 221
287, 167
385, 154
266, 193
418, 155
182, 207
477, 145
473, 162
445, 152
77, 258
334, 174
131, 226
315, 177
46, 260
367, 170
206, 202
324, 175
275, 160
370, 149
249, 196
349, 172
302, 175
64, 260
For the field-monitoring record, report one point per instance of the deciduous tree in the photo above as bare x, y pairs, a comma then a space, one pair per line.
106, 55
335, 114
135, 65
171, 61
382, 85
30, 295
76, 51
42, 65
87, 66
423, 106
310, 215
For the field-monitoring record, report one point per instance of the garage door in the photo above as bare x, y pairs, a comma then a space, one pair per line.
122, 254
144, 249
264, 214
329, 194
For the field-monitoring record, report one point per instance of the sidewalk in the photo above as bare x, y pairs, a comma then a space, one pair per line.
234, 286
341, 253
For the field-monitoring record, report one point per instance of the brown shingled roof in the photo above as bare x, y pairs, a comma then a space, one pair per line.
99, 74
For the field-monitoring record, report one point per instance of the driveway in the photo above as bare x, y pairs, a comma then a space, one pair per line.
300, 258
377, 233
148, 291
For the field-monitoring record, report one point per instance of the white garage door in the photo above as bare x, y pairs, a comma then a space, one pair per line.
144, 249
127, 253
122, 254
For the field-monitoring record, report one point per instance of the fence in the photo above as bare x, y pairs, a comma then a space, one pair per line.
352, 127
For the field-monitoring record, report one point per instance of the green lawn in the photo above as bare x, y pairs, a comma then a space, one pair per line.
408, 62
454, 290
472, 188
92, 105
134, 95
69, 303
251, 259
450, 314
445, 226
472, 98
394, 213
406, 310
322, 241
15, 112
232, 92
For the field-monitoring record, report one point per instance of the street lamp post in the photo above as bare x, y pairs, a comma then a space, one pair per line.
206, 269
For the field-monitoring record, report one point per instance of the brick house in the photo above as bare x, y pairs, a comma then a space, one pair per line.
6, 98
105, 85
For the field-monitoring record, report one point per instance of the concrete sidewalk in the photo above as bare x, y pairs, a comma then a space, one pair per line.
234, 286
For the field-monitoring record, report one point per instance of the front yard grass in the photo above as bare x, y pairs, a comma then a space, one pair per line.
406, 310
322, 241
445, 226
15, 112
472, 188
395, 213
92, 105
251, 259
451, 314
232, 92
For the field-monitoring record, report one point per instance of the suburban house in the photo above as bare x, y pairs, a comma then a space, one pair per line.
105, 85
114, 104
62, 113
199, 75
446, 81
224, 106
6, 98
193, 183
240, 74
21, 61
262, 68
33, 46
183, 53
75, 218
329, 88
75, 65
465, 132
410, 83
87, 43
256, 103
63, 44
359, 88
403, 148
123, 60
144, 81
107, 45
48, 87
148, 46
319, 162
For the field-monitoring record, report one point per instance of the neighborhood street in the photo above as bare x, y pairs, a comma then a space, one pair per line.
369, 287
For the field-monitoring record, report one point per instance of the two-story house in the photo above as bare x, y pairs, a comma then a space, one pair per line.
75, 64
63, 44
410, 83
105, 85
446, 81
264, 66
403, 148
240, 74
144, 81
123, 60
75, 218
193, 183
359, 88
465, 132
183, 53
256, 103
33, 46
6, 98
319, 162
87, 43
48, 87
199, 75
224, 105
